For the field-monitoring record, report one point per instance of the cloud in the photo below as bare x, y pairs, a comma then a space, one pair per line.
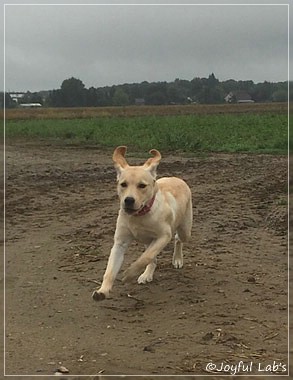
105, 45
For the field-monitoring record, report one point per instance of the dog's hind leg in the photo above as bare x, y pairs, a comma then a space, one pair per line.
183, 234
177, 260
148, 274
148, 257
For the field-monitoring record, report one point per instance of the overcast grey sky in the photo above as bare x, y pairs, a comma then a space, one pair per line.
105, 45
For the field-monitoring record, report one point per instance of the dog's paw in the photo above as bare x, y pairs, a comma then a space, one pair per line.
98, 296
144, 278
177, 263
134, 270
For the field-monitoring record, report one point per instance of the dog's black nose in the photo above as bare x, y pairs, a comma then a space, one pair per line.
129, 202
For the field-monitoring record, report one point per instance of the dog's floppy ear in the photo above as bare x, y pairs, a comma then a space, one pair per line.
120, 162
152, 163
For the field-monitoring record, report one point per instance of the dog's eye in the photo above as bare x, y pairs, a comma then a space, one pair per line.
123, 184
142, 185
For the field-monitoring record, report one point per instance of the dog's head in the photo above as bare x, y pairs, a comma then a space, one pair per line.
136, 184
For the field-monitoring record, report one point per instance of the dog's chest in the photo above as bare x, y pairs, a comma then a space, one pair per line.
143, 232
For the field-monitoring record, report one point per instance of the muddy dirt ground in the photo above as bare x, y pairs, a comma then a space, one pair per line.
226, 305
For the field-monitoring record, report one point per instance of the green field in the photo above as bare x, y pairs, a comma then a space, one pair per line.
257, 133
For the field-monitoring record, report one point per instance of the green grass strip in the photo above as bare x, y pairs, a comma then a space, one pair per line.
257, 133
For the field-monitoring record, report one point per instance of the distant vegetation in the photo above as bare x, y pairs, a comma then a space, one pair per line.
73, 93
130, 111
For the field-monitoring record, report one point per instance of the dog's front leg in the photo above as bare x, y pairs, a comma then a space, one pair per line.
147, 257
114, 264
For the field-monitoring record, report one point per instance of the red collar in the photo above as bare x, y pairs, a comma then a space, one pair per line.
146, 208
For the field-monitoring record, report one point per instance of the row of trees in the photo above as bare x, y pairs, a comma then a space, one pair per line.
199, 90
73, 93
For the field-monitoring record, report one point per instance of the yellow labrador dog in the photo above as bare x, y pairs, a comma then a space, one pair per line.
152, 212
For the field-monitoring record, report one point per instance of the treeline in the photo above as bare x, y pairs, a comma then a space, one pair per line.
73, 93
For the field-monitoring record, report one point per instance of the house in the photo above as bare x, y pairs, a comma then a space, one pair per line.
238, 97
16, 96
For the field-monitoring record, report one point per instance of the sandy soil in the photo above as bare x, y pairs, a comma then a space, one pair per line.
228, 304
